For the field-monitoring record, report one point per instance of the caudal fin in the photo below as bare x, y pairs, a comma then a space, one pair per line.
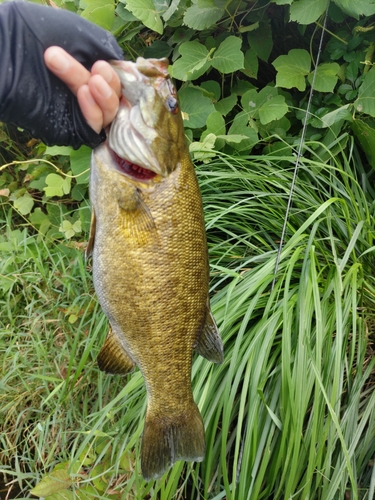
169, 439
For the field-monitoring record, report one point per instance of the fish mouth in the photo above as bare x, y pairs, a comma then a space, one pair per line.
132, 170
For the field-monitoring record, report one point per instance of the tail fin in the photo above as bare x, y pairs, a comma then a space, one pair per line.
169, 439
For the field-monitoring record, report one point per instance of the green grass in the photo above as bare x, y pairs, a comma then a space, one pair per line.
289, 414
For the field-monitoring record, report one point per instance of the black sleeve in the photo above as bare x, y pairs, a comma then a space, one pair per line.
31, 96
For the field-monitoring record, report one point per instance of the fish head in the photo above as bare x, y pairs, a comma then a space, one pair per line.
147, 134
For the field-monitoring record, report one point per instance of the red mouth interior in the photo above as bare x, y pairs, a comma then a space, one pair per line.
134, 170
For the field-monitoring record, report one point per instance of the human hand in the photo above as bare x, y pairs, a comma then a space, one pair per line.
33, 97
97, 92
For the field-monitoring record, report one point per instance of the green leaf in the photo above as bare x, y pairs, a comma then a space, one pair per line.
57, 150
357, 8
62, 495
292, 69
250, 64
307, 11
80, 164
171, 10
366, 95
203, 151
366, 137
261, 41
57, 480
194, 61
57, 185
326, 77
100, 13
203, 14
266, 105
226, 104
229, 57
213, 89
215, 123
341, 113
145, 11
239, 127
195, 107
24, 204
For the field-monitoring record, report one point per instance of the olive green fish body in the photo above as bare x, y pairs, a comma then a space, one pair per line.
150, 269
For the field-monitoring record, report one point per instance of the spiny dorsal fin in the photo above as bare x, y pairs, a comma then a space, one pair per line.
112, 357
209, 343
90, 244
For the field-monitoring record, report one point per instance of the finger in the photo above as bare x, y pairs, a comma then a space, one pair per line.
105, 97
109, 74
90, 109
68, 69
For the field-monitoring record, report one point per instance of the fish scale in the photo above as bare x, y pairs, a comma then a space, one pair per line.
150, 262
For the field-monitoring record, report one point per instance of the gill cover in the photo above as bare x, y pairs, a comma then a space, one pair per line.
148, 129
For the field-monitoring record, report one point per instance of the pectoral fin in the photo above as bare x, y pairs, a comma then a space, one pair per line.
209, 343
138, 221
90, 244
112, 357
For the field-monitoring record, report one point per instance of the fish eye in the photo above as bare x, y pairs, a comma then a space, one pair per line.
172, 104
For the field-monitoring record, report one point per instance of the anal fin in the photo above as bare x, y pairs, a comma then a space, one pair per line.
209, 343
112, 357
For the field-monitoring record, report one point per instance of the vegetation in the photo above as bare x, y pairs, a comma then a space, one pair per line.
290, 413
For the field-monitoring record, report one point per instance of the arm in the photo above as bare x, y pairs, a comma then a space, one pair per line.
34, 98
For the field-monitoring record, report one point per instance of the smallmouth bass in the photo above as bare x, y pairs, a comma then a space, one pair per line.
150, 261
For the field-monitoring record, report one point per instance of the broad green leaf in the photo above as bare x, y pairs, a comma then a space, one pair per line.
215, 125
195, 107
266, 105
194, 61
57, 480
234, 138
213, 89
366, 95
292, 69
203, 14
282, 2
226, 104
273, 109
24, 204
158, 50
250, 64
326, 77
57, 150
341, 113
80, 164
57, 185
239, 127
307, 11
366, 136
357, 8
229, 57
261, 41
171, 10
145, 11
100, 12
65, 494
203, 151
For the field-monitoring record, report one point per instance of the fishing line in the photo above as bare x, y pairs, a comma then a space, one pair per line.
299, 152
299, 156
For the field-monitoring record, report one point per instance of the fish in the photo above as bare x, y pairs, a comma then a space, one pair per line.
150, 261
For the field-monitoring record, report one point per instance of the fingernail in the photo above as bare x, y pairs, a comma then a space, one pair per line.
103, 68
103, 88
57, 60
